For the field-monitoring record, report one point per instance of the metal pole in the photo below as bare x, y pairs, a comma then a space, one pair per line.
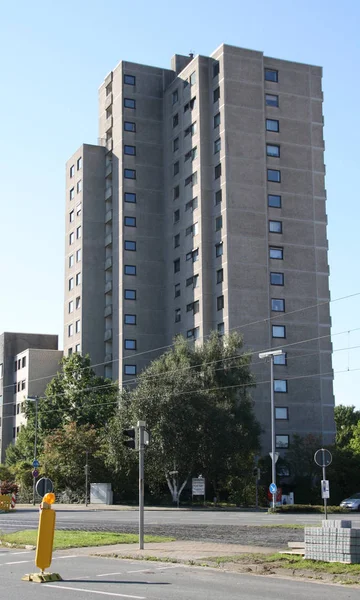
35, 444
273, 463
141, 427
86, 478
325, 499
256, 491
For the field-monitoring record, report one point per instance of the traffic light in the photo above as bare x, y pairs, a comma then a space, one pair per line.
133, 434
256, 473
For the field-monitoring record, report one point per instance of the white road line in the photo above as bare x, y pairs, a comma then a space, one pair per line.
14, 553
18, 562
67, 556
138, 570
108, 574
172, 567
74, 589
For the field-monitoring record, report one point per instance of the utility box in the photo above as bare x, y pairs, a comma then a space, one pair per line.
101, 493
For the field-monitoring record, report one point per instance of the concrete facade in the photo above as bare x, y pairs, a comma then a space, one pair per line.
210, 184
27, 363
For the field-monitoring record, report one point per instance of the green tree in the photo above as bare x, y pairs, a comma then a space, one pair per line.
346, 419
306, 473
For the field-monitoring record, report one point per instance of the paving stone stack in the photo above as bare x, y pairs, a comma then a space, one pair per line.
335, 541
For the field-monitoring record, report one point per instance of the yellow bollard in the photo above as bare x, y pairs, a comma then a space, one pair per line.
45, 542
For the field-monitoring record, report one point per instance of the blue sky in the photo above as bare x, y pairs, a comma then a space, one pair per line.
53, 58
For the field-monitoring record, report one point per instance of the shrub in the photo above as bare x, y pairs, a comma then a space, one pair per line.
307, 508
8, 487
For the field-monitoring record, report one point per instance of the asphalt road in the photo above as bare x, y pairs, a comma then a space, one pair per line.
91, 577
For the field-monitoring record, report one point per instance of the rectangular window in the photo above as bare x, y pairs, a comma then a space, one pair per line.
221, 328
193, 333
130, 319
219, 249
176, 167
130, 150
271, 100
23, 384
129, 269
78, 232
176, 192
192, 281
70, 351
129, 126
218, 197
78, 278
72, 171
271, 75
216, 68
193, 255
71, 306
217, 145
130, 245
217, 171
275, 226
281, 359
129, 103
177, 240
216, 94
72, 193
72, 216
108, 112
175, 96
190, 105
220, 302
177, 265
192, 78
71, 283
78, 209
176, 216
191, 155
23, 362
272, 125
177, 290
79, 186
272, 150
219, 275
282, 441
130, 197
278, 304
176, 144
130, 294
130, 344
217, 120
192, 204
192, 229
130, 221
175, 121
78, 255
218, 223
191, 180
276, 253
191, 130
277, 278
274, 200
177, 315
70, 330
129, 173
77, 348
71, 260
280, 386
129, 369
274, 175
79, 163
77, 326
278, 331
78, 302
129, 79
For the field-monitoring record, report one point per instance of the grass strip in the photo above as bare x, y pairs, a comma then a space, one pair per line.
78, 539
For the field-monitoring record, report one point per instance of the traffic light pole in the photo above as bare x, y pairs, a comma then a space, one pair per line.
141, 428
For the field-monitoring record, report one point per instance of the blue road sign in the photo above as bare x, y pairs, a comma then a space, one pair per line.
36, 464
273, 488
35, 473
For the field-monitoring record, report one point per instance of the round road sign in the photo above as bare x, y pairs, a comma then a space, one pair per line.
36, 464
273, 488
44, 485
35, 473
323, 457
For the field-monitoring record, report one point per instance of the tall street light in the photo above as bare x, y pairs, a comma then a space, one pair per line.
271, 355
36, 400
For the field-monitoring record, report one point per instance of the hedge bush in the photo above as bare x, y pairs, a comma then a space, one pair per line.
307, 508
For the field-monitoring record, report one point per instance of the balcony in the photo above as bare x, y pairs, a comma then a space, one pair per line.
108, 78
108, 100
108, 335
109, 145
108, 193
108, 310
108, 123
108, 240
108, 216
108, 263
108, 169
108, 287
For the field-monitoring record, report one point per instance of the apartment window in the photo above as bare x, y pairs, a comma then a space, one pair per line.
177, 290
190, 105
130, 221
191, 130
175, 96
272, 150
130, 294
70, 330
218, 197
193, 255
221, 328
129, 344
220, 302
77, 348
192, 78
79, 186
23, 384
193, 281
129, 369
79, 163
176, 167
71, 283
71, 306
278, 331
192, 204
23, 362
216, 68
17, 409
130, 245
71, 260
129, 126
78, 302
274, 175
219, 249
177, 265
72, 171
177, 215
72, 193
175, 121
275, 226
129, 173
278, 304
192, 229
176, 144
282, 441
276, 253
217, 120
218, 223
77, 326
176, 192
70, 351
108, 112
277, 278
193, 333
18, 389
280, 386
191, 155
15, 366
191, 180
177, 240
130, 319
129, 103
274, 200
78, 232
108, 89
78, 278
19, 363
131, 151
130, 197
72, 216
78, 255
1, 374
271, 100
219, 275
216, 94
218, 171
271, 75
272, 125
129, 269
177, 315
281, 359
129, 79
217, 145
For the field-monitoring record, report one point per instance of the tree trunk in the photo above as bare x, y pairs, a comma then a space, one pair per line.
173, 487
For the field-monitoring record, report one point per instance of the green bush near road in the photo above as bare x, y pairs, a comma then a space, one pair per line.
307, 508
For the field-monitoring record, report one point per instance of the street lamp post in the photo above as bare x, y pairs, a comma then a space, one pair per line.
36, 400
271, 355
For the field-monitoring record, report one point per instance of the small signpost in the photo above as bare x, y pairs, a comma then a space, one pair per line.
198, 486
323, 458
273, 488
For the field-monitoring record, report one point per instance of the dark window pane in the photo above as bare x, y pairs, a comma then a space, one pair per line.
277, 278
271, 75
271, 100
130, 197
277, 304
129, 103
272, 125
129, 126
129, 79
273, 175
274, 200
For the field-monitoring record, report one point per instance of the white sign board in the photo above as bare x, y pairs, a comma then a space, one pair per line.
198, 486
325, 489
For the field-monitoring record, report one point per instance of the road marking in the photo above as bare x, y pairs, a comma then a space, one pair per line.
14, 553
18, 562
67, 556
74, 589
108, 574
137, 571
172, 567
